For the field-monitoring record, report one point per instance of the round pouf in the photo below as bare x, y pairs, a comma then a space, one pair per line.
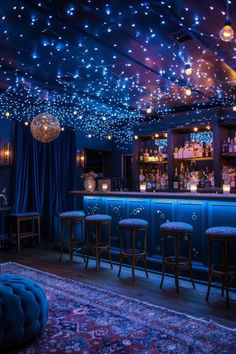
23, 310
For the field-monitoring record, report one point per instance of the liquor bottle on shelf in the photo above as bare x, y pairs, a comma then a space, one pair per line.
193, 149
229, 176
141, 176
229, 147
184, 180
176, 180
146, 156
141, 156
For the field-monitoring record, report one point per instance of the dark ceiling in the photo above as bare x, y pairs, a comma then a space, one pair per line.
107, 62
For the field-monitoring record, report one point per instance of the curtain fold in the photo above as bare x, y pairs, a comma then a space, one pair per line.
43, 173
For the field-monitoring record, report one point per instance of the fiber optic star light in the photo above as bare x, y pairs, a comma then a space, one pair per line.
45, 128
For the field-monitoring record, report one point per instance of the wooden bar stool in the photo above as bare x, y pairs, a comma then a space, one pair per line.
98, 247
177, 231
226, 236
71, 218
18, 218
133, 254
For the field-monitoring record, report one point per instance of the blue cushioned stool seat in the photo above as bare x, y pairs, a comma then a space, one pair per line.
24, 310
98, 218
31, 213
221, 232
133, 223
176, 226
72, 214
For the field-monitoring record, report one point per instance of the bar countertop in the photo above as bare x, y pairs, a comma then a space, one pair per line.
153, 195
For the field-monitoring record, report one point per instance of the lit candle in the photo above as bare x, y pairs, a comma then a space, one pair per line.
226, 188
193, 188
104, 187
142, 187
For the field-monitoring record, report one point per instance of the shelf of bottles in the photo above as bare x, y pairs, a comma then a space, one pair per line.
153, 163
228, 153
193, 161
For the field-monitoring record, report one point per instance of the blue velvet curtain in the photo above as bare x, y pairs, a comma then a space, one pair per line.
43, 173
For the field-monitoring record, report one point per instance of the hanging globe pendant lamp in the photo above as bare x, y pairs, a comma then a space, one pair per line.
227, 33
45, 127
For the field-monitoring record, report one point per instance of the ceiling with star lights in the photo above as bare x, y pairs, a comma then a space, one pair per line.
105, 66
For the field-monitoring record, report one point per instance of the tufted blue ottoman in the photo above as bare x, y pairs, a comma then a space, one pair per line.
23, 310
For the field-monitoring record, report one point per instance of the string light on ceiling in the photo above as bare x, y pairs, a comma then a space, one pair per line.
188, 91
100, 82
188, 70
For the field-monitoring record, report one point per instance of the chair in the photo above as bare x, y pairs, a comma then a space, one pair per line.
177, 231
18, 218
225, 236
98, 247
133, 254
71, 218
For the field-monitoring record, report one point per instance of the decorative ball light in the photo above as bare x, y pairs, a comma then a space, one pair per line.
149, 110
188, 69
227, 33
45, 127
234, 108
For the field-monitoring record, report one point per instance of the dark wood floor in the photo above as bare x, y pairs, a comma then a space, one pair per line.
190, 301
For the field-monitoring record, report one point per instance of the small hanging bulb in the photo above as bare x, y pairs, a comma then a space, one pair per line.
188, 69
149, 110
227, 33
234, 108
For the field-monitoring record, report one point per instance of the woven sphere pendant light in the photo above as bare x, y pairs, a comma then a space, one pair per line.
45, 127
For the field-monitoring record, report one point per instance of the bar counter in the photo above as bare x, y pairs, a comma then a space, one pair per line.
154, 195
201, 210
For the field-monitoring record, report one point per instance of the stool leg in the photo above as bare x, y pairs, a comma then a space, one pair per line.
82, 238
190, 259
133, 253
210, 271
226, 268
18, 235
145, 252
71, 237
62, 241
87, 243
177, 264
96, 247
121, 250
223, 266
38, 225
163, 259
109, 243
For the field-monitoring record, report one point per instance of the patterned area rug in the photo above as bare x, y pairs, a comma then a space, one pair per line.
86, 319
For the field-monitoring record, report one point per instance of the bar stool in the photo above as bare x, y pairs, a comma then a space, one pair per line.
18, 218
177, 231
98, 247
71, 218
226, 236
133, 254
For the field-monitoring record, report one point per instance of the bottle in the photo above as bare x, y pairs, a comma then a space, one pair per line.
150, 155
141, 176
176, 155
141, 155
176, 180
146, 156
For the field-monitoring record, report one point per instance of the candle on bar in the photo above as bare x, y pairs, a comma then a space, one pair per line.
193, 188
226, 188
104, 187
142, 187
